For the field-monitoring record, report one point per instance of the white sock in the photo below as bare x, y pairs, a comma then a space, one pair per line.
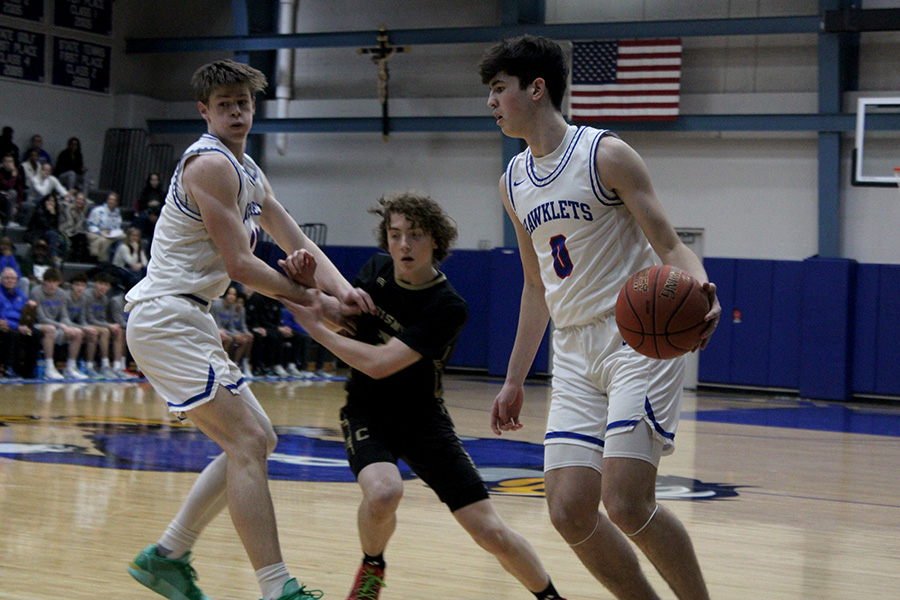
117, 365
49, 363
272, 579
104, 363
71, 364
177, 539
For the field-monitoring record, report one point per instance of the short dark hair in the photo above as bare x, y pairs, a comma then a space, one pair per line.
226, 72
52, 274
528, 57
104, 277
423, 212
79, 277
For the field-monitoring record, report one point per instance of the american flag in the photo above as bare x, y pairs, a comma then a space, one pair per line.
627, 80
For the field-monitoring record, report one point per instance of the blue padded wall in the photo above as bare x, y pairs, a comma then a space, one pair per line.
505, 294
784, 334
715, 361
865, 334
468, 272
751, 334
887, 368
827, 328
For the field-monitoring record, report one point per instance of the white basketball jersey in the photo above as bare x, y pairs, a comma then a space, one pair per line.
183, 258
586, 241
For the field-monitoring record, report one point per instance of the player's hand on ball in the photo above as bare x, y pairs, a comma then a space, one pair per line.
713, 316
301, 267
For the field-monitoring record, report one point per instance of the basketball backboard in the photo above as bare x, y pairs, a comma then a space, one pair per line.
876, 151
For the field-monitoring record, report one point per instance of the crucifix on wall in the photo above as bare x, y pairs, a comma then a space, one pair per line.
380, 55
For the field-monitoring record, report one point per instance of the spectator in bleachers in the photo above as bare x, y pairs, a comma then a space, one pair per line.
75, 306
131, 255
36, 261
232, 322
7, 145
37, 143
32, 170
7, 256
104, 225
44, 225
46, 182
73, 226
53, 320
153, 193
146, 222
264, 322
12, 188
70, 169
301, 344
19, 343
99, 313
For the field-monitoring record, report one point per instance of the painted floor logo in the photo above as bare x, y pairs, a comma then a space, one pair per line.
508, 467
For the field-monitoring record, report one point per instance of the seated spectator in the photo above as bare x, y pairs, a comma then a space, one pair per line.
53, 320
99, 313
7, 145
37, 143
75, 306
7, 258
36, 261
19, 343
301, 344
104, 225
264, 322
44, 225
146, 222
70, 169
131, 256
232, 322
12, 189
73, 226
153, 193
31, 168
45, 183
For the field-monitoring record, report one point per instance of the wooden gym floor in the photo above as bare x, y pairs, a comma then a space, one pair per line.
784, 499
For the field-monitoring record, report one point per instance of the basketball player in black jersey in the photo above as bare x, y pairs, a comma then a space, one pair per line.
395, 407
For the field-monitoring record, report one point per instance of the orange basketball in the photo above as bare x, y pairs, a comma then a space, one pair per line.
660, 312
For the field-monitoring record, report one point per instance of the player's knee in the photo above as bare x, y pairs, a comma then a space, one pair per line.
383, 497
627, 512
571, 519
494, 537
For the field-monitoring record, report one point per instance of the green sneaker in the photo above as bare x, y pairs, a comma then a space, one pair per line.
294, 591
172, 578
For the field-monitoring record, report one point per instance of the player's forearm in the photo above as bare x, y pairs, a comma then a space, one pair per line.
533, 319
254, 273
682, 257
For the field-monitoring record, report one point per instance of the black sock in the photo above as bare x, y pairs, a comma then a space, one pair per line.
549, 593
375, 561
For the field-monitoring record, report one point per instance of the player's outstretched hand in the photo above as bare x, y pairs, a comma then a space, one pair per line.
712, 317
506, 409
301, 267
356, 301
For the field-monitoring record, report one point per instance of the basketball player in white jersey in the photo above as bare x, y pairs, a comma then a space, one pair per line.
586, 218
204, 239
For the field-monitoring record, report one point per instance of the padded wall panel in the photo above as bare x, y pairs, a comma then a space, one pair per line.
784, 331
715, 360
827, 328
468, 271
865, 329
887, 368
751, 317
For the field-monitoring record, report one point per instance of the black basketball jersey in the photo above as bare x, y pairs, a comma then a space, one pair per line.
427, 318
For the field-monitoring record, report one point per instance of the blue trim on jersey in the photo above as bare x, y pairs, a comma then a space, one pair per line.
560, 167
209, 386
573, 436
595, 176
182, 204
509, 181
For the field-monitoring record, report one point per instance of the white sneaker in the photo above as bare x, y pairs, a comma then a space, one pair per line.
92, 372
74, 373
293, 370
280, 371
123, 374
52, 373
247, 371
108, 373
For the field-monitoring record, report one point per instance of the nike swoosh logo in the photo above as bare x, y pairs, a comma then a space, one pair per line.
516, 183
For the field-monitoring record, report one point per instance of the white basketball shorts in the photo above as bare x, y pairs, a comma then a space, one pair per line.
176, 344
602, 390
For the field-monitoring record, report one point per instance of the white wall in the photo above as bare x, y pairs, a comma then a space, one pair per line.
754, 193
